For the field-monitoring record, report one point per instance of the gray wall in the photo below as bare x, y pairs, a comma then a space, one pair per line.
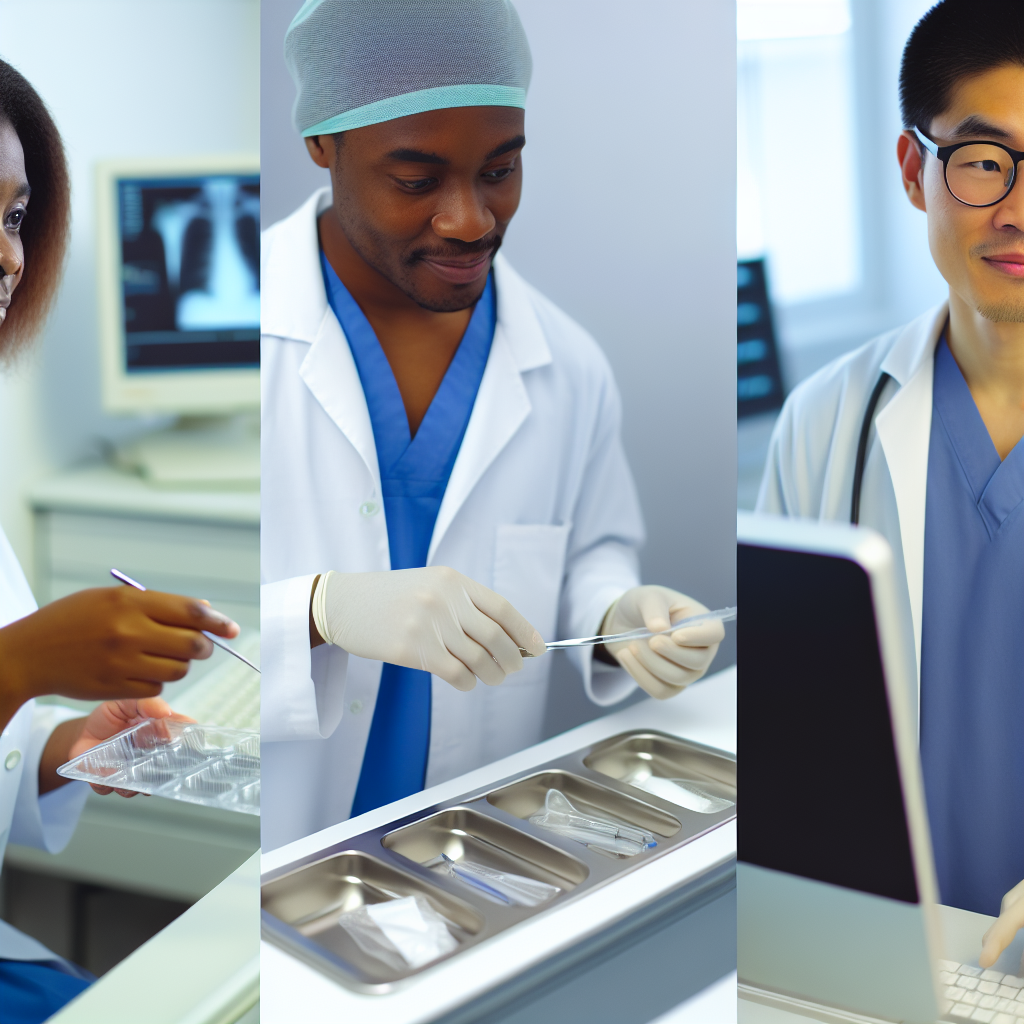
628, 223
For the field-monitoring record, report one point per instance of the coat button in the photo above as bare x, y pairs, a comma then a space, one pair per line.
12, 760
369, 508
355, 707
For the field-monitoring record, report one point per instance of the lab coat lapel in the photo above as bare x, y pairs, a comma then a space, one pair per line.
904, 431
502, 403
330, 374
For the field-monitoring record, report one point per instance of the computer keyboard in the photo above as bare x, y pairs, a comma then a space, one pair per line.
988, 996
229, 693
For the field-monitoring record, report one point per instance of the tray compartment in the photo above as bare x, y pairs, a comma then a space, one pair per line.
526, 797
311, 899
634, 756
467, 835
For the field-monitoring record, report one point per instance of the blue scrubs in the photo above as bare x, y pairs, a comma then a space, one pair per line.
972, 650
414, 474
32, 991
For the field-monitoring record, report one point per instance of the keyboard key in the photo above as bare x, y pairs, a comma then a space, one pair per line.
955, 993
965, 982
947, 977
985, 1016
988, 988
1007, 992
962, 1011
1007, 1006
989, 1002
1013, 981
991, 975
971, 998
969, 971
948, 965
1020, 996
1003, 1018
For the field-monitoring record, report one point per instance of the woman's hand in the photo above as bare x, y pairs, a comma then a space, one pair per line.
104, 643
77, 736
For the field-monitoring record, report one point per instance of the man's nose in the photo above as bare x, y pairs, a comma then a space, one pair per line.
463, 215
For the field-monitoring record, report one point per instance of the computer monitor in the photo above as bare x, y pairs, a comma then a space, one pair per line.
835, 879
179, 284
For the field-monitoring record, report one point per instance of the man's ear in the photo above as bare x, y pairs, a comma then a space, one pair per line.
908, 152
318, 151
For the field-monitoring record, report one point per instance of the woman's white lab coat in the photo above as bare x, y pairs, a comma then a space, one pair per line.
26, 817
814, 447
540, 507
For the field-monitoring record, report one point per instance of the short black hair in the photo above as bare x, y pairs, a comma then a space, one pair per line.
956, 39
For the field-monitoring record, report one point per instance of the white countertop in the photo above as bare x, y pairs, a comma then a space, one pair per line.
104, 489
292, 991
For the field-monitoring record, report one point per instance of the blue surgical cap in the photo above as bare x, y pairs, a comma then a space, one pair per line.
360, 62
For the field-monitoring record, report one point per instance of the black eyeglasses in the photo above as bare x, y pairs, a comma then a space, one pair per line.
976, 173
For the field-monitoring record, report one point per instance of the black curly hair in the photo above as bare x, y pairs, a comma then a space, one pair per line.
45, 231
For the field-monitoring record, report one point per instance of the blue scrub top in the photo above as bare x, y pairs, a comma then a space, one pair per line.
972, 650
414, 474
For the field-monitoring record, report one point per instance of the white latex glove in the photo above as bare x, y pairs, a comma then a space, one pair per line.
662, 665
433, 619
1000, 935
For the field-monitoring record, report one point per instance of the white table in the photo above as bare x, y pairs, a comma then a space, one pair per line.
961, 941
293, 991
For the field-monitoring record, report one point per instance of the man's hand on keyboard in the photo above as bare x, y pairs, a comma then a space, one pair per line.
1010, 920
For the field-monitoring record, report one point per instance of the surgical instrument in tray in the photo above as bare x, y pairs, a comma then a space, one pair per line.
721, 615
117, 574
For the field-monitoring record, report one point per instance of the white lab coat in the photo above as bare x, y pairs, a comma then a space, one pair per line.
540, 507
45, 822
814, 447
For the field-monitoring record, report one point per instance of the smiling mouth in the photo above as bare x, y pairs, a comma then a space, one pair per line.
1010, 263
460, 270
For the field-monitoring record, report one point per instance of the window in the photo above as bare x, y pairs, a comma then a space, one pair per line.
797, 140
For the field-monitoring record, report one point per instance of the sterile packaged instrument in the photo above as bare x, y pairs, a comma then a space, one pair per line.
400, 933
502, 886
201, 764
561, 817
694, 796
720, 615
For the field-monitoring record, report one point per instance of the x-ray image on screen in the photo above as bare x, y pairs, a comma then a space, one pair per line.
190, 272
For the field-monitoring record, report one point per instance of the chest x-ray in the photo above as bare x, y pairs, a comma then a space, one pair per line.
190, 269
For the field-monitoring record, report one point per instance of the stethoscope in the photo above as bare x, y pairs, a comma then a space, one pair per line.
862, 446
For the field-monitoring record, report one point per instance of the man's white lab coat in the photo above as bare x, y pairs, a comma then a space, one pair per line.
540, 507
25, 817
814, 447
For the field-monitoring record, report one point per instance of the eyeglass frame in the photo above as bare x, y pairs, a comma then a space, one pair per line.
943, 153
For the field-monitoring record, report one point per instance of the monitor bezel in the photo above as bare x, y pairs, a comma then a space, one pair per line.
194, 392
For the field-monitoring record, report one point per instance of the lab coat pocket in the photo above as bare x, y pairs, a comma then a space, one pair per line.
529, 563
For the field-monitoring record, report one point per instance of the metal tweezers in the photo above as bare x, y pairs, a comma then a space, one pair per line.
721, 615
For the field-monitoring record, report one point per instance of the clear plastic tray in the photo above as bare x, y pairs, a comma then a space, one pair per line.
202, 764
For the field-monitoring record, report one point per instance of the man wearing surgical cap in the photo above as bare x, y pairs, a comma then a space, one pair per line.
444, 485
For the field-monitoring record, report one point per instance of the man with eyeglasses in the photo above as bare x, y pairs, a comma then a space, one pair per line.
918, 435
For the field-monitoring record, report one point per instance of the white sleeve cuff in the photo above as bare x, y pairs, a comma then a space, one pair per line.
46, 822
300, 690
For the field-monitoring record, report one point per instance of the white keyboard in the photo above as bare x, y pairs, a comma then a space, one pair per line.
229, 694
988, 996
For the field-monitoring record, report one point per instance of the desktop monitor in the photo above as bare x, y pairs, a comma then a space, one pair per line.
179, 285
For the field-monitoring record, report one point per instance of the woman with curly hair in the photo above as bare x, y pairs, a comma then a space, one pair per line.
113, 644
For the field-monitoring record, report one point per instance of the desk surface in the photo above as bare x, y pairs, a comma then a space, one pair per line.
103, 489
961, 941
291, 991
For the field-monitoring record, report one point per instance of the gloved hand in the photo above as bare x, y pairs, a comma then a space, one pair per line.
1000, 935
433, 619
662, 665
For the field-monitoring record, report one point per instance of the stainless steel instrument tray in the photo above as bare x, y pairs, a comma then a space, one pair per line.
302, 900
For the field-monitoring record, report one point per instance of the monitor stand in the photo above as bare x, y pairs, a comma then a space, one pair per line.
211, 453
